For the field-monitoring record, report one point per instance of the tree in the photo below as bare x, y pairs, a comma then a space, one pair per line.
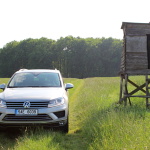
74, 57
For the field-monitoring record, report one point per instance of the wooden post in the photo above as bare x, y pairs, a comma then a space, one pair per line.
121, 86
125, 89
147, 91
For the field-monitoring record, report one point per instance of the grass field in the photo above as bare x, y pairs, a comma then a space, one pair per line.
96, 121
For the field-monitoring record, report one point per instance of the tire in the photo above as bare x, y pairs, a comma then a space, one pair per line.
65, 128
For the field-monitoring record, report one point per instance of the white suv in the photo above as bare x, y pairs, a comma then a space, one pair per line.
35, 97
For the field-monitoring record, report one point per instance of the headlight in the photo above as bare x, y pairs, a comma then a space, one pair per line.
2, 104
56, 102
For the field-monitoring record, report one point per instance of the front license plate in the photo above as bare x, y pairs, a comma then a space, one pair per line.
28, 112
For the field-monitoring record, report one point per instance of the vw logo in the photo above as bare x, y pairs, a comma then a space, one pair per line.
26, 104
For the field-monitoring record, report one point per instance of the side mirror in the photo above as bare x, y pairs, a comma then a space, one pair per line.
68, 86
2, 86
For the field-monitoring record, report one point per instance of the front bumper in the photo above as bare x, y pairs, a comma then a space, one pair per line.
56, 116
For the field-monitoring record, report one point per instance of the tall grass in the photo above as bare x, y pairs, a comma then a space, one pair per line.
96, 121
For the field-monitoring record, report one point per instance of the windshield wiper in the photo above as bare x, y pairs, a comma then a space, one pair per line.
29, 86
21, 86
14, 86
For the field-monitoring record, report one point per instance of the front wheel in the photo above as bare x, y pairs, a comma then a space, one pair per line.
65, 128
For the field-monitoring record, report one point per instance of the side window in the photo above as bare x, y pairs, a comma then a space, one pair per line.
148, 50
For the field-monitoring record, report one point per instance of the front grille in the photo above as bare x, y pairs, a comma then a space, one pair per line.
60, 114
32, 104
39, 117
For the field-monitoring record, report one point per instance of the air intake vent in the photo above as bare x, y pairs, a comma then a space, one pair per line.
60, 114
39, 117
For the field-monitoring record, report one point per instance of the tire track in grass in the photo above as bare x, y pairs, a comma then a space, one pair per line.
78, 84
73, 101
74, 140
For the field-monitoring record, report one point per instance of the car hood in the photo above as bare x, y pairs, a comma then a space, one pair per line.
31, 93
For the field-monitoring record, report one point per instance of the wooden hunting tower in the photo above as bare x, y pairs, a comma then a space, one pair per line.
135, 59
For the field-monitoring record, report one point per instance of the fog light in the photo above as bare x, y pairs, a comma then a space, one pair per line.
61, 123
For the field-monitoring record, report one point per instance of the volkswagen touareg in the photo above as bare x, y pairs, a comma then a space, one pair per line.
35, 97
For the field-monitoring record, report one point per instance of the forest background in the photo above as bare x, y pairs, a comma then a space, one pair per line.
75, 57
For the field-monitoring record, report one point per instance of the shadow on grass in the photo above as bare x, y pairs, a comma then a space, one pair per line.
16, 138
8, 137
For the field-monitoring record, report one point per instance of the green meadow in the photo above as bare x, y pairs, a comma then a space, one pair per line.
96, 120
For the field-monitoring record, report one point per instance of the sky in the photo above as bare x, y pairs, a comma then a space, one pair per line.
23, 19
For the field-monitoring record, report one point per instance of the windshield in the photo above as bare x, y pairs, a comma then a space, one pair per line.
35, 79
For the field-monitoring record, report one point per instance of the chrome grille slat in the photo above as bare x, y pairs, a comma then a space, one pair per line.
39, 117
32, 104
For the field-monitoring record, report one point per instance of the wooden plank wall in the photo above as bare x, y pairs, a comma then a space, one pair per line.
134, 59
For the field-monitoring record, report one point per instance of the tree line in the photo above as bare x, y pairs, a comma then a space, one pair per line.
75, 57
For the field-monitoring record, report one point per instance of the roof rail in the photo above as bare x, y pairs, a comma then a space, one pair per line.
23, 69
